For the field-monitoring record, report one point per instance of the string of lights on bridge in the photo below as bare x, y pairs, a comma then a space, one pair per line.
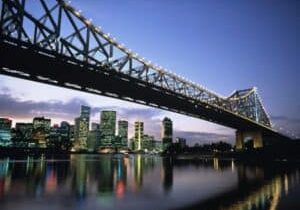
286, 131
122, 47
132, 54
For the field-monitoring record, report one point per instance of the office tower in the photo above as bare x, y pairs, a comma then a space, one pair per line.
82, 128
94, 137
123, 133
64, 131
41, 123
107, 128
138, 135
5, 132
54, 138
85, 113
41, 131
23, 134
72, 133
167, 133
148, 143
93, 140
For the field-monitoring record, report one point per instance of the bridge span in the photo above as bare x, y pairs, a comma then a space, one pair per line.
54, 43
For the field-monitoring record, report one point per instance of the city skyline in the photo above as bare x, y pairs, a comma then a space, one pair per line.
241, 70
192, 139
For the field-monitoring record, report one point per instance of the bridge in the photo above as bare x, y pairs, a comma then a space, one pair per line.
51, 42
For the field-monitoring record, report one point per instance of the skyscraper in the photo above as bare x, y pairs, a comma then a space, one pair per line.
85, 113
148, 143
82, 128
41, 131
41, 122
23, 134
94, 137
123, 132
107, 128
138, 135
5, 131
167, 133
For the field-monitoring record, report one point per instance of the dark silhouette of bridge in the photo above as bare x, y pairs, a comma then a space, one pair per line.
52, 42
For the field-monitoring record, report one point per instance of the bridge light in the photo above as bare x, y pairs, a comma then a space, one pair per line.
77, 13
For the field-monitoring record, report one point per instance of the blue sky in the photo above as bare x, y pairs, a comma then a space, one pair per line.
223, 45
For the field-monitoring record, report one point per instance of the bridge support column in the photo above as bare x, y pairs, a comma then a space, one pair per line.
239, 141
256, 136
257, 140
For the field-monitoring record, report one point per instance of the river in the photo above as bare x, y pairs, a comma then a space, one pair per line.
146, 182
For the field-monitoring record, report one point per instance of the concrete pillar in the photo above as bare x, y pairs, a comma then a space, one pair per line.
239, 141
256, 136
257, 140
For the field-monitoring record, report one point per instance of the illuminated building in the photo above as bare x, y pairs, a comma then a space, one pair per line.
167, 133
41, 122
5, 132
23, 134
64, 130
41, 131
148, 143
93, 140
107, 128
94, 137
82, 128
138, 135
123, 132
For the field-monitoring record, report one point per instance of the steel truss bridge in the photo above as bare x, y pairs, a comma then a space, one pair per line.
50, 41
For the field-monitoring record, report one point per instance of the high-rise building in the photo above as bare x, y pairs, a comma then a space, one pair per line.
107, 128
167, 133
82, 128
76, 129
85, 112
41, 122
94, 137
64, 130
123, 132
5, 132
138, 135
148, 143
41, 131
72, 133
93, 140
23, 134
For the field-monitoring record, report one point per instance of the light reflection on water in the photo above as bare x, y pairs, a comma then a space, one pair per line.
142, 182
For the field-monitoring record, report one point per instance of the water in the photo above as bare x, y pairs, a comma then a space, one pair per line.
145, 182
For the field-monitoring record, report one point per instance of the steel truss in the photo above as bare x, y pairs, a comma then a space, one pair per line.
57, 26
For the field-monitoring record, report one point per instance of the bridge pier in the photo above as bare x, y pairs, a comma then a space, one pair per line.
256, 136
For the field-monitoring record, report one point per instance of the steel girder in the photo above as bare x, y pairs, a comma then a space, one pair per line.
57, 26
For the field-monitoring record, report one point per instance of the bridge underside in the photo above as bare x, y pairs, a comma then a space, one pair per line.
19, 59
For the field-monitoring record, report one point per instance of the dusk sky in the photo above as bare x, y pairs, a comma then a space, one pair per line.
223, 45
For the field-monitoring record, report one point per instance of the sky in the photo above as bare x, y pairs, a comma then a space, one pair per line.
223, 45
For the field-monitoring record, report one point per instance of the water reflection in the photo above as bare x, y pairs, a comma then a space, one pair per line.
145, 182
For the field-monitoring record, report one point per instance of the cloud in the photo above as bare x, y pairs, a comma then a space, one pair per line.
16, 108
27, 109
